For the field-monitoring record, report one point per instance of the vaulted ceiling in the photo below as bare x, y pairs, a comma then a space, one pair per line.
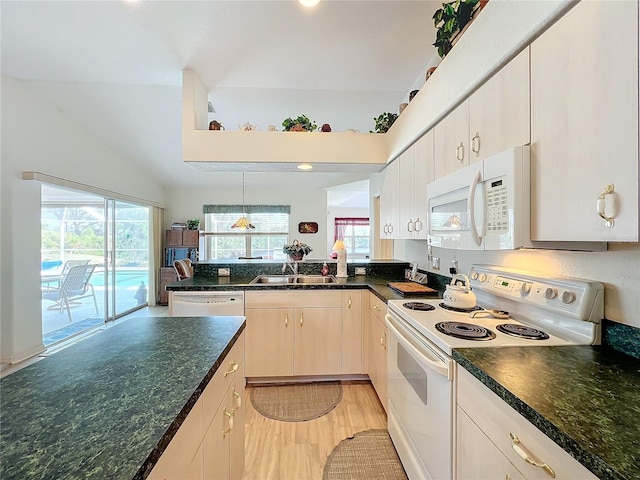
116, 67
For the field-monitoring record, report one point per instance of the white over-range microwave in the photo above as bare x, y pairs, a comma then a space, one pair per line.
484, 206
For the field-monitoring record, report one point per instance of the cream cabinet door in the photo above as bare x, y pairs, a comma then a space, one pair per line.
584, 124
406, 194
236, 441
477, 458
451, 141
217, 445
317, 343
499, 115
352, 332
423, 173
377, 348
269, 342
389, 214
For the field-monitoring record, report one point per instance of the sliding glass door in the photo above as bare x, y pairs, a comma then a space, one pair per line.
112, 238
127, 255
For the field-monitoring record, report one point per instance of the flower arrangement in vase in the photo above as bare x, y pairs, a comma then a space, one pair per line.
297, 250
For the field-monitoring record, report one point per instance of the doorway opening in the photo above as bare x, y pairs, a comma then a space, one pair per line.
95, 255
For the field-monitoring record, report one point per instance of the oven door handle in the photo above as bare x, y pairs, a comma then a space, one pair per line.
426, 354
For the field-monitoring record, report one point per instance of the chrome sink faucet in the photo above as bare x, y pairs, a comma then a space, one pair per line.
292, 265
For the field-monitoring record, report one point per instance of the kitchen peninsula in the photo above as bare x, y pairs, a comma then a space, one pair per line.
108, 406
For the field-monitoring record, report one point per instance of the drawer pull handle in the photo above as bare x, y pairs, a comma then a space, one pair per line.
349, 301
238, 401
301, 319
286, 319
600, 206
475, 144
234, 369
229, 415
515, 444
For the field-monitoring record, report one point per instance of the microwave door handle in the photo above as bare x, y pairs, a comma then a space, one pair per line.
472, 209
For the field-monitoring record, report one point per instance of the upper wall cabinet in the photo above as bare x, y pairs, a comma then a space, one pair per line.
389, 202
499, 115
416, 171
451, 141
584, 125
494, 118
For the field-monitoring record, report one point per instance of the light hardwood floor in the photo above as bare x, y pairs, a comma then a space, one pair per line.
298, 450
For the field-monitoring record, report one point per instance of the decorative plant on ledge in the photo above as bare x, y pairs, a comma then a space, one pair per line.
300, 124
297, 250
450, 20
384, 122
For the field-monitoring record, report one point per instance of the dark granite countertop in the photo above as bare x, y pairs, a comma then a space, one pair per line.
585, 398
107, 407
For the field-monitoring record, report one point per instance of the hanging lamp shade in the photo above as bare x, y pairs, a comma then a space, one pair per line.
243, 222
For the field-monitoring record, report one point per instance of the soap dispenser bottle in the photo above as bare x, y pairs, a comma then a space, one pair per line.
325, 269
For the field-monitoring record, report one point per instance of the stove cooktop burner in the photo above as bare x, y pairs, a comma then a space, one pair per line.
522, 331
425, 307
458, 309
466, 331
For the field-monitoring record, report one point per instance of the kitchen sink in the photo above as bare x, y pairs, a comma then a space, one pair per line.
288, 279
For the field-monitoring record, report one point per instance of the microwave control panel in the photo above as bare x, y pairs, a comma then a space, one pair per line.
497, 207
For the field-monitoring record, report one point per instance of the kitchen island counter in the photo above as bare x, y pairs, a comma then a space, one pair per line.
107, 406
585, 398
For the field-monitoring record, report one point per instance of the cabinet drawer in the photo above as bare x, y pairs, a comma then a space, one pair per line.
213, 395
498, 420
293, 298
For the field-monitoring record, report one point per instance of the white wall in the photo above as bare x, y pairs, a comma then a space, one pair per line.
618, 269
306, 206
37, 136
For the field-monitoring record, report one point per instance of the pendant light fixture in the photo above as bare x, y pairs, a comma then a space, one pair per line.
243, 221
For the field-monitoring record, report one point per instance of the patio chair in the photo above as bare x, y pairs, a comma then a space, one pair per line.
58, 278
74, 286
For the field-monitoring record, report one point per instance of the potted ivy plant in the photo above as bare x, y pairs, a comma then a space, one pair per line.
193, 224
297, 250
450, 20
300, 124
384, 122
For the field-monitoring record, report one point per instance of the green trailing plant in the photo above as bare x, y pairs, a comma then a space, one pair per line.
297, 249
384, 122
449, 20
300, 124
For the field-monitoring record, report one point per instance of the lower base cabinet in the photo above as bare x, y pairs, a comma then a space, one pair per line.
493, 440
293, 333
210, 442
376, 340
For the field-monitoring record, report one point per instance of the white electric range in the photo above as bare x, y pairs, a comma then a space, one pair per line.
539, 310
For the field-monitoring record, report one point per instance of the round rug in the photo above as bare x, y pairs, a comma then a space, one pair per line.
366, 455
297, 402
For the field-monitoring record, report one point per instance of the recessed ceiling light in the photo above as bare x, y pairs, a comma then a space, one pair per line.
309, 3
305, 166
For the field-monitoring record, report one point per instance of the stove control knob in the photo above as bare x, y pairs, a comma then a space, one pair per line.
550, 293
525, 288
482, 277
568, 297
474, 275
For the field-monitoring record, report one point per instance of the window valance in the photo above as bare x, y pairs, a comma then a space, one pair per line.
249, 209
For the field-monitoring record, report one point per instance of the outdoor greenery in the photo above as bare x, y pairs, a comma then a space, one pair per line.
79, 231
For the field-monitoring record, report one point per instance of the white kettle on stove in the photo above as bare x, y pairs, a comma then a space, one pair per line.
457, 295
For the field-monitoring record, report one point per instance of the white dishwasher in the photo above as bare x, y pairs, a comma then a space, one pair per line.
198, 304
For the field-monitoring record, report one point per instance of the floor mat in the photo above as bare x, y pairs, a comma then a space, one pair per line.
366, 455
70, 330
296, 402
